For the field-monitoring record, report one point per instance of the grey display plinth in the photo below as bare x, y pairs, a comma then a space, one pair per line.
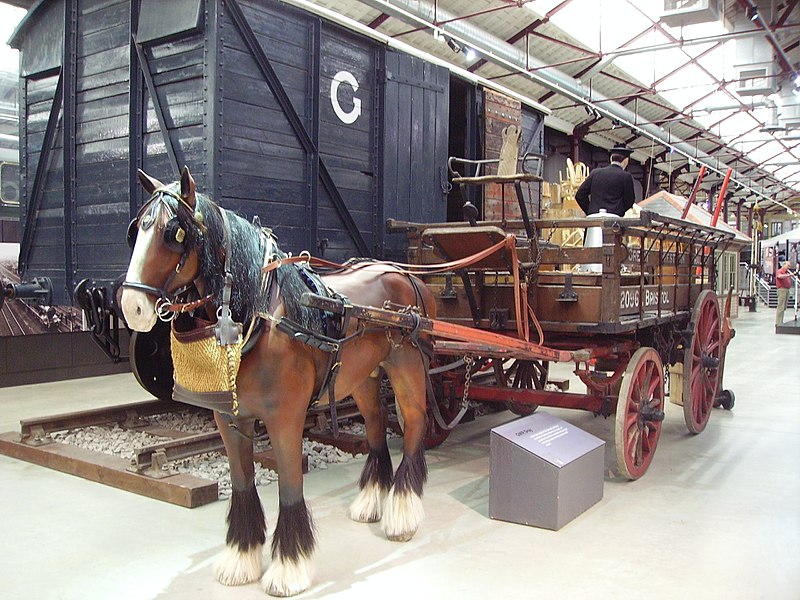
543, 471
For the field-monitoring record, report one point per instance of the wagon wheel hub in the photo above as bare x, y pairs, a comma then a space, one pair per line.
648, 414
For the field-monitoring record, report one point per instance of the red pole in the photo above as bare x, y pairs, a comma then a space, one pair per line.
695, 189
721, 198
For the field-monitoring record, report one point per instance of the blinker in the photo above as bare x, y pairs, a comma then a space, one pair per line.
174, 234
133, 229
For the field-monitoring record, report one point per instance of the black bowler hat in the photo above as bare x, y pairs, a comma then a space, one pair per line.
622, 150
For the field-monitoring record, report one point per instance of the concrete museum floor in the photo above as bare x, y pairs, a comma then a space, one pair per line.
716, 515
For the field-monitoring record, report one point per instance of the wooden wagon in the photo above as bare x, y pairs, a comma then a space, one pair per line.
622, 313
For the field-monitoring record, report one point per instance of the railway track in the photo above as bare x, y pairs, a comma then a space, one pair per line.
17, 317
9, 322
149, 471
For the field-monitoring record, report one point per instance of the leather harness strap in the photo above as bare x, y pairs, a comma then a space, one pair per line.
508, 242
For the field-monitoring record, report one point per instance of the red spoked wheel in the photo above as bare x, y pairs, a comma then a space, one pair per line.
526, 375
640, 412
701, 362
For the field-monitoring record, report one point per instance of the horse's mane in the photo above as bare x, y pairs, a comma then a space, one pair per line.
247, 246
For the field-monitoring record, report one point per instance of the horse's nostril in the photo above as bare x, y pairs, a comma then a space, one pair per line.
138, 310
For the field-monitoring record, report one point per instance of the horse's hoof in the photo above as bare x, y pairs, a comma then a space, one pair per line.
236, 567
368, 505
287, 577
400, 537
402, 515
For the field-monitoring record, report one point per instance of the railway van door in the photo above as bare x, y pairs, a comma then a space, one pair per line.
346, 212
416, 109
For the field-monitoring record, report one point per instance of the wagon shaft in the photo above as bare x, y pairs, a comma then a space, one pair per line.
472, 341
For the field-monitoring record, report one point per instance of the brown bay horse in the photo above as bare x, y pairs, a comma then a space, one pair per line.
179, 244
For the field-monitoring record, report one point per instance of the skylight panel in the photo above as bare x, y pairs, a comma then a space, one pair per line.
648, 39
785, 170
720, 61
597, 23
767, 152
686, 86
708, 120
713, 102
735, 125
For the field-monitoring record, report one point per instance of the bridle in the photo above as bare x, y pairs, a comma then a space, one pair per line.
175, 239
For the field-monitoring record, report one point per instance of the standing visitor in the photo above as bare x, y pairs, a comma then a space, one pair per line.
783, 281
609, 188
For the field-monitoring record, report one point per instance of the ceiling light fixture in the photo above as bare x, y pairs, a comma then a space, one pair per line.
470, 53
453, 45
752, 13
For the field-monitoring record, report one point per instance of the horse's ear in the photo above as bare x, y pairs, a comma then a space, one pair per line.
187, 186
150, 184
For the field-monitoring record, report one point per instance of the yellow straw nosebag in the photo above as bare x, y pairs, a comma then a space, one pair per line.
201, 365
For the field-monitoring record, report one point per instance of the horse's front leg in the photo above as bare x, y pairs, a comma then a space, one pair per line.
241, 560
293, 541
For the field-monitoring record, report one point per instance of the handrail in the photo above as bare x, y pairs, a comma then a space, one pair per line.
761, 284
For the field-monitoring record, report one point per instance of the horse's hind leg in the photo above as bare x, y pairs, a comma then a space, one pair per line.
403, 510
376, 476
241, 561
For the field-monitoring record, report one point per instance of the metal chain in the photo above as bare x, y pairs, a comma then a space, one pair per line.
538, 258
390, 338
231, 350
468, 362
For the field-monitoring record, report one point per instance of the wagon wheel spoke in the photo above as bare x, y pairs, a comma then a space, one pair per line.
499, 374
527, 375
709, 386
639, 453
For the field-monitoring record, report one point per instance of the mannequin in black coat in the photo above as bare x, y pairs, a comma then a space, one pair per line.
609, 188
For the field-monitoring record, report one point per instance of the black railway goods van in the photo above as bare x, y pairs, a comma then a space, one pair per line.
321, 132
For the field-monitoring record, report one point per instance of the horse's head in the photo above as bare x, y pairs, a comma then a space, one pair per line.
164, 237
